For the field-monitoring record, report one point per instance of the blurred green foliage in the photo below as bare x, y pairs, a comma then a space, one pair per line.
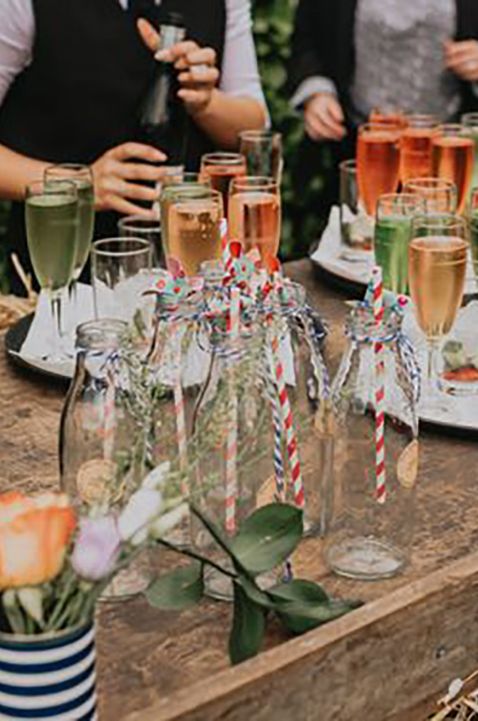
302, 223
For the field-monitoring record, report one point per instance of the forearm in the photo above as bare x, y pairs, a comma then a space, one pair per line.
226, 115
16, 172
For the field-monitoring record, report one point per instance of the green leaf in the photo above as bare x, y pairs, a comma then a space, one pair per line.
300, 617
268, 537
299, 590
255, 594
215, 532
177, 590
247, 627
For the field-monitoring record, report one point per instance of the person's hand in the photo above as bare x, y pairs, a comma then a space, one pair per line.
198, 74
324, 118
114, 172
462, 59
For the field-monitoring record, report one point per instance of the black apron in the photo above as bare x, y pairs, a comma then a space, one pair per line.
82, 91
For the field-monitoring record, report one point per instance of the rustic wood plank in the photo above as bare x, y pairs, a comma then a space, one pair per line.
165, 661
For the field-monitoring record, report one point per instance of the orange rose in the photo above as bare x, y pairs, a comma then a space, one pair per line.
34, 536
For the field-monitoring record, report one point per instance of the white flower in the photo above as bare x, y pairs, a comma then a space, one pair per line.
157, 477
169, 520
32, 601
142, 508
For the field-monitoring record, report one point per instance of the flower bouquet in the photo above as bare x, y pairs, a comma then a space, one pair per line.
54, 566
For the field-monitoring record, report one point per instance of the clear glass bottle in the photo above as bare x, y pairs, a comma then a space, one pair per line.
103, 431
372, 525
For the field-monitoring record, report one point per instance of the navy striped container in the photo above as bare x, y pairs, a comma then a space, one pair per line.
50, 677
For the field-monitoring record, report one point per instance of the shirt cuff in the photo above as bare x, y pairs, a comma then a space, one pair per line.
311, 86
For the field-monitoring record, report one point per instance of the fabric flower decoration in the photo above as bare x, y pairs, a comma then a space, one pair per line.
34, 536
97, 548
143, 507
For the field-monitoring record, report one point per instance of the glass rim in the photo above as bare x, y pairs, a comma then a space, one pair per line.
253, 181
171, 188
128, 222
144, 247
102, 326
223, 158
431, 183
382, 125
67, 187
263, 134
401, 199
451, 128
436, 220
203, 194
350, 164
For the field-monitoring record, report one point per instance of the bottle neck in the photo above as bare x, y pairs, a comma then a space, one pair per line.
170, 35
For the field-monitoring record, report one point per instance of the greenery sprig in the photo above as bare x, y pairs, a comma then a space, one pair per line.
265, 541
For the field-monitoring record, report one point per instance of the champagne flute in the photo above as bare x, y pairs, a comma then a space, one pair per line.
437, 267
440, 195
194, 228
193, 185
220, 169
51, 217
388, 115
82, 177
255, 215
263, 152
416, 146
393, 229
452, 158
378, 162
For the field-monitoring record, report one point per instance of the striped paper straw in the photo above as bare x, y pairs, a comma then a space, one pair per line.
223, 232
378, 313
288, 425
109, 420
179, 410
231, 447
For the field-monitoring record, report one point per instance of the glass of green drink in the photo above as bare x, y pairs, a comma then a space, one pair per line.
51, 216
393, 230
82, 177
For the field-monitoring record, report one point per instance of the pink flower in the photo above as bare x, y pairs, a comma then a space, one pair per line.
97, 548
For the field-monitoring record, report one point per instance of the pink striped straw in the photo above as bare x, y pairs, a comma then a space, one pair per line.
231, 443
378, 313
288, 424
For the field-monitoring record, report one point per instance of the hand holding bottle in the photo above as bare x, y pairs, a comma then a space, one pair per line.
197, 71
116, 176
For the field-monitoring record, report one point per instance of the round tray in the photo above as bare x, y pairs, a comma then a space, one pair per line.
14, 340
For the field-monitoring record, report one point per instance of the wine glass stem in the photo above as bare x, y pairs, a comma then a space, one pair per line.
55, 301
433, 347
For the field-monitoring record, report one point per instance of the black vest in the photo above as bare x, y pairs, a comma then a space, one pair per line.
82, 91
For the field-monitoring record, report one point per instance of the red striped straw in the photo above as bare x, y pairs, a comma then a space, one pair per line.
223, 232
288, 424
180, 413
378, 313
231, 447
109, 421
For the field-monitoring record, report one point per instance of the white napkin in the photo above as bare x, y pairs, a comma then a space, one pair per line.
40, 339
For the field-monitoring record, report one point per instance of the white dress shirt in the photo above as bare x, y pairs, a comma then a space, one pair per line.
239, 72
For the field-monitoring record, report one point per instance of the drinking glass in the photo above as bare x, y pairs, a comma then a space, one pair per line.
452, 158
440, 194
416, 146
82, 177
437, 267
393, 228
135, 226
470, 128
51, 216
120, 271
193, 221
263, 152
378, 162
220, 169
355, 227
255, 215
389, 115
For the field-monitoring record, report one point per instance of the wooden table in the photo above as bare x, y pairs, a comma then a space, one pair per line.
383, 662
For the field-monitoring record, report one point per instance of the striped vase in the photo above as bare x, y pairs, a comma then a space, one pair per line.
49, 677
